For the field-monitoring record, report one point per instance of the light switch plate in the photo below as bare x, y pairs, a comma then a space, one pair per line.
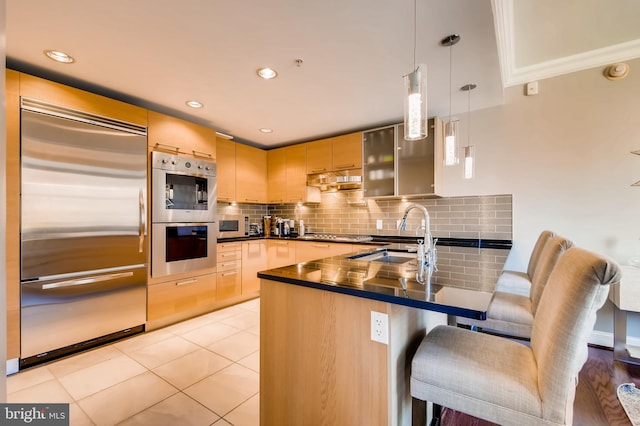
379, 224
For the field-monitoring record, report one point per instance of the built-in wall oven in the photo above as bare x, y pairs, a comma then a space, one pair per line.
183, 214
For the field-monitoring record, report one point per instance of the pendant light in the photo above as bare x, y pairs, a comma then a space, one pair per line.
469, 150
415, 103
451, 126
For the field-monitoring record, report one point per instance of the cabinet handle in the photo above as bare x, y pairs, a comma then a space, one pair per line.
321, 245
321, 169
251, 200
227, 255
202, 154
280, 243
225, 274
187, 282
275, 201
346, 166
166, 147
295, 200
222, 265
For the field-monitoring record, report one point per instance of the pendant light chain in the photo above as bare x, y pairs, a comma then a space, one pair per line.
450, 73
415, 32
469, 115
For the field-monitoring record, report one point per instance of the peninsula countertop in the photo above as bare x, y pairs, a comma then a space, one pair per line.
462, 285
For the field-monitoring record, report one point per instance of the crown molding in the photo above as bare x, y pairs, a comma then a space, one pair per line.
511, 75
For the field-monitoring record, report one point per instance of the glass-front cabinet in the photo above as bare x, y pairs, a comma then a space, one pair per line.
395, 167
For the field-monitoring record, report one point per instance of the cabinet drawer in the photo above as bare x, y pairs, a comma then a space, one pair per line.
227, 256
179, 296
225, 247
229, 284
228, 265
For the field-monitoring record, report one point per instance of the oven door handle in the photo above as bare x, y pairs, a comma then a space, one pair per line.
142, 222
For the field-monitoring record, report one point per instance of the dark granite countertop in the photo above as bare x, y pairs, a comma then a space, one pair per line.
463, 284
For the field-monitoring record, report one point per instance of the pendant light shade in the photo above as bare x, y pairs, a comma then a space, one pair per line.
469, 162
451, 127
415, 105
451, 143
469, 150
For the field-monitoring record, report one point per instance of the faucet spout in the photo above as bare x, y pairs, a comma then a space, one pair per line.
426, 255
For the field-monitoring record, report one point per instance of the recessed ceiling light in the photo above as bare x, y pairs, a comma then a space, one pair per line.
58, 56
267, 73
194, 104
266, 130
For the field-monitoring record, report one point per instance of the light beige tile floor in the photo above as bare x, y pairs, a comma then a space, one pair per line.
203, 371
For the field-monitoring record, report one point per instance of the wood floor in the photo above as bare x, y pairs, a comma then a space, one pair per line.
596, 402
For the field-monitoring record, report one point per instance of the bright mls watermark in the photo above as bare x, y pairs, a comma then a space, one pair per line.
34, 414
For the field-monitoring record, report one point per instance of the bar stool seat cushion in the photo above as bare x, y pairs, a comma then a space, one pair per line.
446, 364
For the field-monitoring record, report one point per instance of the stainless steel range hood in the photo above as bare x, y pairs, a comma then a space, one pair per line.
336, 181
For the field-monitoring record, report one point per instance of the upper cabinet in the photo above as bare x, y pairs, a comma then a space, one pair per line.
287, 176
337, 153
251, 173
226, 170
395, 167
69, 97
277, 175
347, 151
173, 134
319, 156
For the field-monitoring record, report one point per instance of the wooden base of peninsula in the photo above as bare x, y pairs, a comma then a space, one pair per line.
318, 364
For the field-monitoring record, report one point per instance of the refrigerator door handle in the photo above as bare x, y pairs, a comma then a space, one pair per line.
142, 221
88, 280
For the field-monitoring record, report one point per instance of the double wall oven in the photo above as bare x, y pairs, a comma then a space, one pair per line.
183, 214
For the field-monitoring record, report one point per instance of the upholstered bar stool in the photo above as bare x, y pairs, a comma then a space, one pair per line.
506, 382
513, 314
518, 282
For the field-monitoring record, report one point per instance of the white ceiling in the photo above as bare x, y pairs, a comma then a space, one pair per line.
160, 53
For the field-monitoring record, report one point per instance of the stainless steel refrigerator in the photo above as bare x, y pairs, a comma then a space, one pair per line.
83, 229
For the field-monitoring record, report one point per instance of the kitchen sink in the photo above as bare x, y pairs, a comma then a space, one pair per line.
386, 256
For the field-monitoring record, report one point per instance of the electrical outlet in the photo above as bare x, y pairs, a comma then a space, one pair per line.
379, 224
379, 327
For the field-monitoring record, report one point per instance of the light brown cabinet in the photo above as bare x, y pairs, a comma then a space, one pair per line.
281, 253
338, 153
254, 259
251, 173
277, 175
287, 176
347, 151
311, 250
319, 156
184, 296
12, 81
229, 266
226, 170
179, 136
66, 96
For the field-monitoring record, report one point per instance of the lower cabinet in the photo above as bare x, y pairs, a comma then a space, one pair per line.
254, 259
311, 250
229, 267
179, 296
281, 253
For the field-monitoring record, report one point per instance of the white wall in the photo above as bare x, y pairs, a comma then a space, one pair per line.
564, 155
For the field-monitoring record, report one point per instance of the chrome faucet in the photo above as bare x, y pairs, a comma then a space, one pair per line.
426, 255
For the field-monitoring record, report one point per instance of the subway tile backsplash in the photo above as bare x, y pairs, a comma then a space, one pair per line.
485, 217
